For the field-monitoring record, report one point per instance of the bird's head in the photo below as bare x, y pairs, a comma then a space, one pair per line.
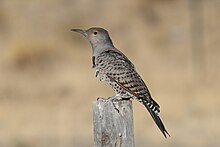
98, 37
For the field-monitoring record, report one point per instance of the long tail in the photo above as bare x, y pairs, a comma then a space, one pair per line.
154, 110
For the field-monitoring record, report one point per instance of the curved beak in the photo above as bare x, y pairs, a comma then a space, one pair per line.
83, 32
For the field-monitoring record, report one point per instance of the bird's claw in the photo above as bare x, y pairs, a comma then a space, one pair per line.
110, 99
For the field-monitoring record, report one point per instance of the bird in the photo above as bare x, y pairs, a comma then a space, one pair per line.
113, 67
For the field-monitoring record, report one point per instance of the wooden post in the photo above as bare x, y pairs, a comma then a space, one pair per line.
113, 128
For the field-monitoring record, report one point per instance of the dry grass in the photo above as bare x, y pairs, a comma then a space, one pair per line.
47, 84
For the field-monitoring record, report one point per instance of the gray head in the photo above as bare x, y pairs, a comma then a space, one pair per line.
98, 38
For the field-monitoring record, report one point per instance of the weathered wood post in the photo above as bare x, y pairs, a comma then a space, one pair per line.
113, 128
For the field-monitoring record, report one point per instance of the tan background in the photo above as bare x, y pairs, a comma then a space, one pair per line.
47, 85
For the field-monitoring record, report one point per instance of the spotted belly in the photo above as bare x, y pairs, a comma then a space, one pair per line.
119, 91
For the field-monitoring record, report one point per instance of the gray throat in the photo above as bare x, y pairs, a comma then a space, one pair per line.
99, 48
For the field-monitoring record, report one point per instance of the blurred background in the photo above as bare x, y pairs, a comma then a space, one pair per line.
47, 85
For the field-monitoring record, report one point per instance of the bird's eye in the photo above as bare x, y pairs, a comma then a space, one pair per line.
95, 33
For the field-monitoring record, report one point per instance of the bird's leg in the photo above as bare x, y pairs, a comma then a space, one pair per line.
111, 99
126, 99
114, 99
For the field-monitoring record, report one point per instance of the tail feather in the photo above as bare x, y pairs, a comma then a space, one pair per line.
156, 118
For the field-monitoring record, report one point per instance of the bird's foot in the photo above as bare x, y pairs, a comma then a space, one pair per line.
114, 99
111, 99
101, 99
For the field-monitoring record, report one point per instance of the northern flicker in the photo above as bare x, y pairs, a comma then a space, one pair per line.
117, 70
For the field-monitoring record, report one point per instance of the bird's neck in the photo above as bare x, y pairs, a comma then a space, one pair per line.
101, 47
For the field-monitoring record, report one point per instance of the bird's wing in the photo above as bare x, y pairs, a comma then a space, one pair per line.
120, 70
